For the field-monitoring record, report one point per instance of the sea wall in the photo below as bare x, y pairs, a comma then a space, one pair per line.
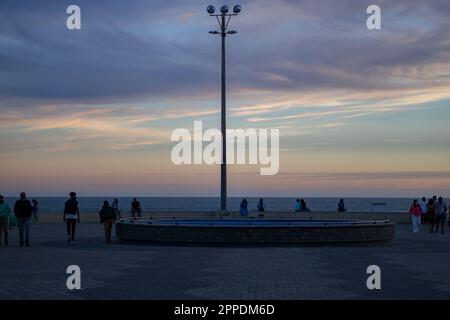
394, 216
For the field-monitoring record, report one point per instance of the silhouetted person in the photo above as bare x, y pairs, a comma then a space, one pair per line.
23, 211
136, 208
244, 208
5, 214
341, 206
415, 213
35, 210
115, 206
423, 207
72, 216
441, 214
107, 217
303, 206
297, 205
431, 215
261, 206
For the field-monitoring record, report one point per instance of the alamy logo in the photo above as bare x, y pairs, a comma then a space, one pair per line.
374, 20
374, 280
74, 280
191, 150
73, 21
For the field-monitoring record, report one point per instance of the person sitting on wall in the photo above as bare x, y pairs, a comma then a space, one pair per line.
303, 206
341, 206
261, 207
244, 208
297, 205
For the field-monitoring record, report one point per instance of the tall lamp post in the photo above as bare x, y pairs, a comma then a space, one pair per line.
223, 18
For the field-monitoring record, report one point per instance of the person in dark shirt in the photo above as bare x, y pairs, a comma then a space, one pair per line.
107, 218
303, 206
136, 208
23, 211
261, 206
72, 216
341, 206
244, 208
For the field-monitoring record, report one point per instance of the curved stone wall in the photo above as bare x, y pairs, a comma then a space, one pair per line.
317, 232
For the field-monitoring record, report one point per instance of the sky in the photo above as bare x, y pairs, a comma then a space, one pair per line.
361, 112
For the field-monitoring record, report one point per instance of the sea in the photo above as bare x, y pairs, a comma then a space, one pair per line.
93, 204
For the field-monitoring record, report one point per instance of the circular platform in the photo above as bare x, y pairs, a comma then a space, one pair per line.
254, 230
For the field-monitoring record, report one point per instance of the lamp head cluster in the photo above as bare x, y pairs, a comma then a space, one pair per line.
224, 10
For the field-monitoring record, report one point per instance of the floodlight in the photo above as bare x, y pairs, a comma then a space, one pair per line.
224, 9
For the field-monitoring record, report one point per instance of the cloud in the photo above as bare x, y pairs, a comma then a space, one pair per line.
138, 68
403, 140
341, 104
159, 50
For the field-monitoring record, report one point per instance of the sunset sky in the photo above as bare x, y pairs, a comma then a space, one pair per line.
361, 112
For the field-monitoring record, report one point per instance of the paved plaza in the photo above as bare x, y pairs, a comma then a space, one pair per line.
412, 266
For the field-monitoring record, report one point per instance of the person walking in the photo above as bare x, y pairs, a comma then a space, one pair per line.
5, 214
107, 218
71, 216
431, 215
23, 211
35, 210
244, 208
415, 213
440, 208
136, 208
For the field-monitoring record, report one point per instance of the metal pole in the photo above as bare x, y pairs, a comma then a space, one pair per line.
223, 167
